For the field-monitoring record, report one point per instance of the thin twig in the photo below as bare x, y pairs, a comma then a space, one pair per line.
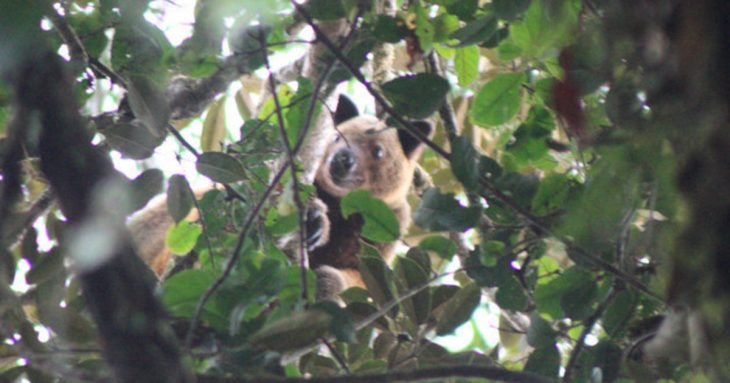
301, 209
182, 140
338, 356
588, 324
77, 51
233, 258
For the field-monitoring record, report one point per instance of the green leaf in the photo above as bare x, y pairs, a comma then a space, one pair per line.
441, 212
498, 101
179, 197
490, 252
540, 333
424, 29
281, 224
459, 309
381, 224
511, 295
297, 113
546, 27
550, 296
619, 313
214, 127
220, 167
465, 162
148, 104
419, 256
443, 247
544, 361
46, 267
414, 276
378, 279
466, 65
145, 187
416, 96
552, 193
326, 9
510, 9
476, 31
464, 9
182, 291
577, 303
182, 237
342, 325
389, 29
133, 140
294, 331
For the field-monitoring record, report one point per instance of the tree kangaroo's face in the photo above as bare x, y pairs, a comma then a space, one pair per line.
366, 154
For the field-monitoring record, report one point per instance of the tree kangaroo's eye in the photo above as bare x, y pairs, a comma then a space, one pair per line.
378, 152
337, 137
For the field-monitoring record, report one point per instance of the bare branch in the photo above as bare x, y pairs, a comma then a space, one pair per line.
492, 373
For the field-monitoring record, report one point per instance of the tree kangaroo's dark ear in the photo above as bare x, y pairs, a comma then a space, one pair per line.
411, 143
346, 110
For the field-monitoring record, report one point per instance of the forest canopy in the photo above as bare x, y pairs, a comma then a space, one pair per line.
569, 212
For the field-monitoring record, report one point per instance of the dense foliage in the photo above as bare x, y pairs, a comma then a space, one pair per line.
545, 209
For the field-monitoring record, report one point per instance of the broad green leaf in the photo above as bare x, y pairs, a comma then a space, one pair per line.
540, 333
182, 237
297, 113
389, 29
466, 65
47, 266
577, 303
133, 140
498, 101
477, 31
327, 9
281, 224
183, 290
145, 187
552, 194
148, 103
510, 295
618, 314
459, 309
424, 29
416, 254
444, 247
416, 96
464, 9
220, 167
546, 27
442, 212
465, 162
414, 276
544, 361
293, 332
214, 127
491, 251
549, 296
179, 197
510, 9
378, 279
342, 326
381, 224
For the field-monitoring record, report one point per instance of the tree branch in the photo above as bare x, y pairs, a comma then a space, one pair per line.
588, 324
492, 373
138, 345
